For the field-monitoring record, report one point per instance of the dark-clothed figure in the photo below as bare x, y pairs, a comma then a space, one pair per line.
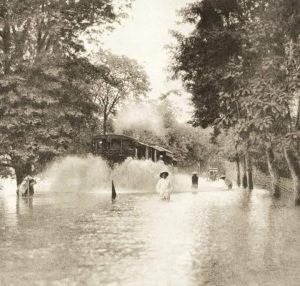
195, 180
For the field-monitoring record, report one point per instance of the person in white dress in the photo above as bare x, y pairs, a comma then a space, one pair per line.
164, 186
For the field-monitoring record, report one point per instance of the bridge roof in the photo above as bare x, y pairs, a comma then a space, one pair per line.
114, 136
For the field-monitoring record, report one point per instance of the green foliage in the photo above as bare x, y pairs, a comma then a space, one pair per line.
41, 114
190, 145
32, 31
123, 80
241, 64
199, 59
46, 107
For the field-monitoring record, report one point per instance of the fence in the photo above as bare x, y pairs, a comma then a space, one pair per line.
260, 180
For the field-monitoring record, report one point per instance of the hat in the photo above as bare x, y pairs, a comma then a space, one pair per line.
223, 177
163, 172
195, 173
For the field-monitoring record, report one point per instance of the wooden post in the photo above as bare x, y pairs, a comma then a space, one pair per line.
113, 192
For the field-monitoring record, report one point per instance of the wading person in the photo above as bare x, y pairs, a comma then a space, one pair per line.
164, 186
195, 180
26, 187
227, 182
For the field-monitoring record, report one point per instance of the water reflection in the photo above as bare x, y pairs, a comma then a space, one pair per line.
215, 237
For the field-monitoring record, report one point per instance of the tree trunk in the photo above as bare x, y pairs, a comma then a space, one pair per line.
20, 175
238, 169
104, 124
297, 125
273, 173
249, 171
21, 172
6, 45
245, 182
293, 164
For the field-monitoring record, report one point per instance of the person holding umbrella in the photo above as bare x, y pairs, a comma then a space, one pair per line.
227, 182
26, 188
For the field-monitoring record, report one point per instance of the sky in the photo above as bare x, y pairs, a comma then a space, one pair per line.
143, 36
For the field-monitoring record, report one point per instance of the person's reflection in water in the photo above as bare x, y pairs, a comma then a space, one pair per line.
18, 206
23, 205
28, 202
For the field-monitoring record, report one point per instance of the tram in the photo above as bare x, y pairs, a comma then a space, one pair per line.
116, 148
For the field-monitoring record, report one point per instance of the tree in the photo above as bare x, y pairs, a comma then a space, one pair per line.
212, 63
123, 80
41, 115
239, 82
31, 31
44, 102
189, 145
274, 86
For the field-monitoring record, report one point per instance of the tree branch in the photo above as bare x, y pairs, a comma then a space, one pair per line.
6, 165
113, 104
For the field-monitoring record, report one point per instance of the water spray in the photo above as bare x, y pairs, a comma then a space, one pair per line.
93, 174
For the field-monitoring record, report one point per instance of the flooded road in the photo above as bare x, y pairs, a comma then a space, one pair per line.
215, 237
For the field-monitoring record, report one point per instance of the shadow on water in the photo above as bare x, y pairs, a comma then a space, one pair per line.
27, 201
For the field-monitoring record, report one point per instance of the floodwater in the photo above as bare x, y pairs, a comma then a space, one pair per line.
214, 237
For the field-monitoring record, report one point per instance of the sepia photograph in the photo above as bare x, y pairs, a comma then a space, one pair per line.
149, 142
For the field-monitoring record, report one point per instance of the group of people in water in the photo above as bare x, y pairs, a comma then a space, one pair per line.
26, 188
164, 185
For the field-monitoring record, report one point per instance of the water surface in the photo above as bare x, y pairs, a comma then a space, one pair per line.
215, 237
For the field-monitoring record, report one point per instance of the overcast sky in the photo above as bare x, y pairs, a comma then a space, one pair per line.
143, 36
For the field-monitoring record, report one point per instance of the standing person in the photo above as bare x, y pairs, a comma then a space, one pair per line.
31, 182
227, 182
26, 187
164, 186
195, 180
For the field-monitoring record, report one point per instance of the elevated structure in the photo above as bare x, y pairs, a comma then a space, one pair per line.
116, 148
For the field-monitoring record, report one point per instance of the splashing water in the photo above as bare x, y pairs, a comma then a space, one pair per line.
144, 174
73, 174
138, 174
88, 174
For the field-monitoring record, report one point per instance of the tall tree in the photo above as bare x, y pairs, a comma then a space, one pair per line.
248, 88
44, 99
41, 114
212, 63
124, 79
